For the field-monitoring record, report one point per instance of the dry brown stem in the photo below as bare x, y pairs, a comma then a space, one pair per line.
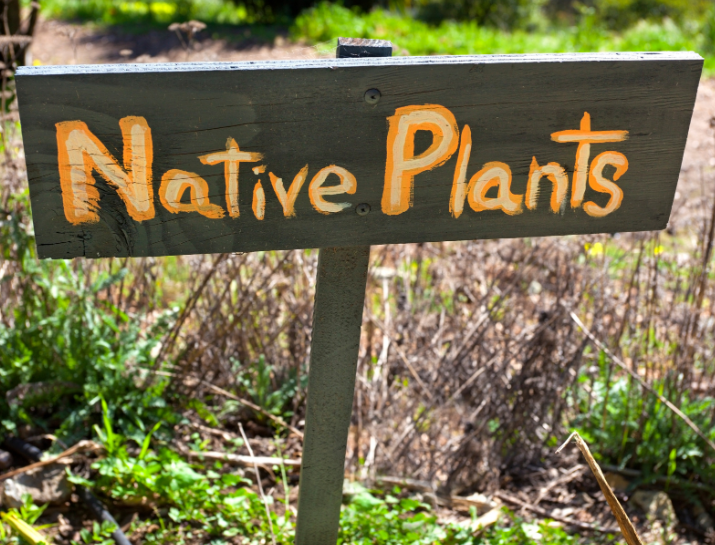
618, 361
627, 528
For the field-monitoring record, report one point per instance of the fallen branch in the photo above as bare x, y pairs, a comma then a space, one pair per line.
82, 445
15, 40
640, 381
408, 484
627, 528
242, 460
544, 513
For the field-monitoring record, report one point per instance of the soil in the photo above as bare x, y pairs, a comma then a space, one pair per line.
59, 42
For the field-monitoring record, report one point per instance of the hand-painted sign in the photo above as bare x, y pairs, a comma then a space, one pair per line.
134, 160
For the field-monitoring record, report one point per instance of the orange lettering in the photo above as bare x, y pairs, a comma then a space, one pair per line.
402, 164
287, 198
585, 137
231, 158
173, 185
603, 185
553, 172
259, 201
494, 174
316, 191
80, 152
459, 185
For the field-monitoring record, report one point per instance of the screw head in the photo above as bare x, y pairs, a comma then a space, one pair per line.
362, 209
372, 96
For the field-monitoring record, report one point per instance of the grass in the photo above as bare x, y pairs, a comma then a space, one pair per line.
326, 22
112, 12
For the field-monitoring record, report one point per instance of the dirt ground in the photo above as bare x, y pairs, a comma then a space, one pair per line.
58, 42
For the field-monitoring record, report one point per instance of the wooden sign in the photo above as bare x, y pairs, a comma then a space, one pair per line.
167, 159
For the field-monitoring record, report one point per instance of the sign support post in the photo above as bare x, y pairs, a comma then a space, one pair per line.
337, 319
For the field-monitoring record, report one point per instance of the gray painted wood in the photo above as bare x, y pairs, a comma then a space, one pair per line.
337, 319
314, 112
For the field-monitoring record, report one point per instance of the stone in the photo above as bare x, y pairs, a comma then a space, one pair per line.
703, 519
656, 505
46, 484
5, 460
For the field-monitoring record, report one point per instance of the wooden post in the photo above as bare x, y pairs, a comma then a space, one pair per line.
337, 318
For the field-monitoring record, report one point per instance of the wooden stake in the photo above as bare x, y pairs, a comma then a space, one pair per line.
337, 318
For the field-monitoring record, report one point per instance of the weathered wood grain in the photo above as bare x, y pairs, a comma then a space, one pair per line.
334, 347
314, 113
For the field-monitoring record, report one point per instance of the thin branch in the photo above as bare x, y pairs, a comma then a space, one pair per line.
546, 514
260, 486
242, 401
238, 459
640, 381
82, 445
627, 528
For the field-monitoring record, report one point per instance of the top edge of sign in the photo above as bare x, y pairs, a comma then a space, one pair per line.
65, 70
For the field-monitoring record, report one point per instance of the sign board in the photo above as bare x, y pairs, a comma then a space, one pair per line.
168, 159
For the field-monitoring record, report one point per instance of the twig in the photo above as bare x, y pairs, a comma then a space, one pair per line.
258, 481
82, 445
471, 379
544, 513
242, 401
243, 460
629, 532
640, 381
570, 475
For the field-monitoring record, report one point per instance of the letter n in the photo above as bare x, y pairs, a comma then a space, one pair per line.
80, 152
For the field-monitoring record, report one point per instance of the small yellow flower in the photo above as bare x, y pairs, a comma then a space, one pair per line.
594, 249
658, 250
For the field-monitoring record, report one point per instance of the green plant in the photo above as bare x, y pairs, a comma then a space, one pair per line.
519, 532
324, 23
375, 517
14, 523
65, 343
100, 534
217, 503
368, 519
633, 428
147, 12
270, 390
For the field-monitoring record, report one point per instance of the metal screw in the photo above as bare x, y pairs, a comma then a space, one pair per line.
372, 96
362, 209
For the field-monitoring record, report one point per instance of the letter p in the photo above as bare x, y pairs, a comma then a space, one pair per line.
402, 164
